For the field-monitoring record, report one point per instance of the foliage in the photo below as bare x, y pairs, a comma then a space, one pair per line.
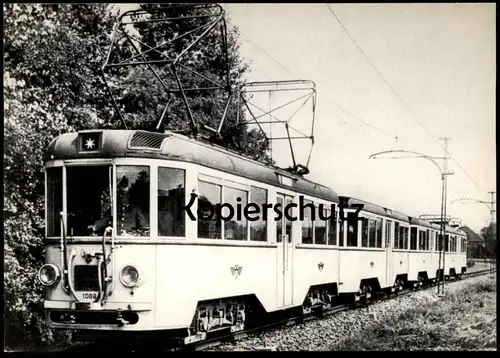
462, 320
52, 57
490, 239
144, 98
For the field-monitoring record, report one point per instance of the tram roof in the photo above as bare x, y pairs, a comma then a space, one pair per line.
118, 143
376, 209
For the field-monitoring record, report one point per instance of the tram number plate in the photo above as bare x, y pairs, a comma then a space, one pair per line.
88, 296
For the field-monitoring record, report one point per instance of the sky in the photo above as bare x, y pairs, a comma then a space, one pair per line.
388, 77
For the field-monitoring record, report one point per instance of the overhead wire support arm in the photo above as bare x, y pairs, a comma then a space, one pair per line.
305, 91
168, 57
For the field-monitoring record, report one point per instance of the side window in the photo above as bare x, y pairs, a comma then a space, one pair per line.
421, 240
364, 232
352, 233
396, 235
235, 226
279, 223
171, 200
388, 232
447, 243
413, 238
132, 186
307, 223
372, 239
341, 232
402, 237
379, 232
319, 229
258, 228
406, 238
332, 227
209, 222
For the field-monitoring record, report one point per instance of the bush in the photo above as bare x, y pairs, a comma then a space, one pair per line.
470, 263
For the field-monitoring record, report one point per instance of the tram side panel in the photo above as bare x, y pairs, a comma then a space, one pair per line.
191, 273
400, 262
357, 265
314, 266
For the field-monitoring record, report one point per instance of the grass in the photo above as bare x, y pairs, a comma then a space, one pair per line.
462, 320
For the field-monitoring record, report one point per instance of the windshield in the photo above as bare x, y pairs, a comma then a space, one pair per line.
88, 200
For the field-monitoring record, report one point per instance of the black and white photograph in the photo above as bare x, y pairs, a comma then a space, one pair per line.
227, 177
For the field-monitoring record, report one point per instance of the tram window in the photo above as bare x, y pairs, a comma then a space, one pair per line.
235, 228
307, 223
288, 223
372, 241
396, 235
279, 223
319, 229
388, 232
406, 238
341, 232
132, 188
413, 238
421, 241
54, 200
88, 200
171, 200
427, 240
209, 221
447, 243
352, 233
379, 232
258, 228
332, 227
364, 232
401, 244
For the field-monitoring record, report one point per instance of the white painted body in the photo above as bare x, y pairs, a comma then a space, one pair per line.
180, 272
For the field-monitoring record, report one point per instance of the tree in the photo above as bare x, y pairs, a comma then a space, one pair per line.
52, 57
490, 239
144, 98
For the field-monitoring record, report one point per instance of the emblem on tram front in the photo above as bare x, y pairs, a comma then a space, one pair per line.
321, 266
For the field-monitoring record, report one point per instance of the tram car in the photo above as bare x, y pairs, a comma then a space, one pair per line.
138, 241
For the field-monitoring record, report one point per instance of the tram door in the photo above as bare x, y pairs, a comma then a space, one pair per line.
284, 240
389, 280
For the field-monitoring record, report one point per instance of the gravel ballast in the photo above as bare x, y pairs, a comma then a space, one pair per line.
329, 333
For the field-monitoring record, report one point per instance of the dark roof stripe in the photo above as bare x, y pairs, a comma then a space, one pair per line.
116, 143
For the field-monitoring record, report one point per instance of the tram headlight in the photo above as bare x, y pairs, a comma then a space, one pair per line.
49, 274
129, 276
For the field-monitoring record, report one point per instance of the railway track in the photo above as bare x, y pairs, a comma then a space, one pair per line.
217, 341
222, 338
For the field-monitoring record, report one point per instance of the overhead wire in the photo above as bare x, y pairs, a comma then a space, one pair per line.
415, 117
343, 110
